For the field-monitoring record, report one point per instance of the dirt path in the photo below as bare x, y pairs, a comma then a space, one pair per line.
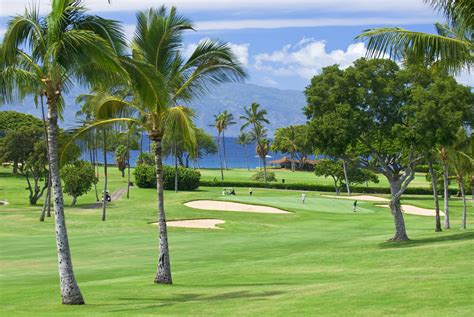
116, 195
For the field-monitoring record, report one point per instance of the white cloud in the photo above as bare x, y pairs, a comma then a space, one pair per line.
465, 78
11, 7
306, 58
267, 81
241, 51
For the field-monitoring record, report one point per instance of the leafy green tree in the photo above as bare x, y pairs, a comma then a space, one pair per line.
453, 46
374, 113
335, 170
254, 118
27, 148
121, 158
78, 178
48, 53
244, 139
295, 141
330, 107
161, 80
439, 107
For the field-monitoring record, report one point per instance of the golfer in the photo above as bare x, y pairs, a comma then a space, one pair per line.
303, 197
250, 191
354, 206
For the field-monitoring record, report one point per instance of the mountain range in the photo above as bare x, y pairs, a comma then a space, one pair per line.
284, 107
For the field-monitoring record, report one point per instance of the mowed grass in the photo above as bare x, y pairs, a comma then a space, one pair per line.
321, 259
299, 177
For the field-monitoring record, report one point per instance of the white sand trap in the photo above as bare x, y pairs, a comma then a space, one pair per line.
360, 197
413, 210
231, 206
195, 223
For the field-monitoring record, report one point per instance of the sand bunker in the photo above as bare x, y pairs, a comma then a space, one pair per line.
413, 210
360, 197
195, 223
231, 206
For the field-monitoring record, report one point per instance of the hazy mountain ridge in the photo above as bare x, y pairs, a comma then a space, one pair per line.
284, 106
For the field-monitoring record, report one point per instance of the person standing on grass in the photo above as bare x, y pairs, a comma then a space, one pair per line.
354, 206
303, 197
250, 191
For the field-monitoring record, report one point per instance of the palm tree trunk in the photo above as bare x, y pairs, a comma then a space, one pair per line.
104, 194
128, 165
435, 196
220, 154
464, 206
446, 194
163, 274
223, 146
94, 161
264, 159
346, 177
47, 204
246, 158
396, 210
70, 291
175, 170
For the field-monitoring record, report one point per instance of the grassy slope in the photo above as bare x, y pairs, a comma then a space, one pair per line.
323, 259
299, 177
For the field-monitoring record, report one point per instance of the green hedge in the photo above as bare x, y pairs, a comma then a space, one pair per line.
188, 179
317, 187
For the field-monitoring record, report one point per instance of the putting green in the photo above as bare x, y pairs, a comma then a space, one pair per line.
313, 203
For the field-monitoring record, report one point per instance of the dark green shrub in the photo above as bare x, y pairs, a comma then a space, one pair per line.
188, 179
259, 177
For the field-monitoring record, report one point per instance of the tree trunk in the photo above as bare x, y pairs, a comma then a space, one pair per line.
292, 162
175, 170
264, 159
446, 194
246, 158
464, 206
223, 146
346, 177
396, 209
128, 165
47, 204
70, 291
104, 194
74, 199
435, 196
163, 274
220, 155
93, 161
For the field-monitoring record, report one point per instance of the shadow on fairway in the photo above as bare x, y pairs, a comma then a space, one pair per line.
192, 297
414, 243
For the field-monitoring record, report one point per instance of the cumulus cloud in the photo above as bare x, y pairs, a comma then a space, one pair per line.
306, 58
465, 78
241, 51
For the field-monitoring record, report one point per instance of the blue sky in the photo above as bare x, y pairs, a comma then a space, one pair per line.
282, 43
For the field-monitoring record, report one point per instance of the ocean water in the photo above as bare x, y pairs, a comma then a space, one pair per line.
234, 152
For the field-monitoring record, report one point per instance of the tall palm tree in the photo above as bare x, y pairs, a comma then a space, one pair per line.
227, 121
255, 118
244, 139
63, 47
219, 125
162, 80
453, 46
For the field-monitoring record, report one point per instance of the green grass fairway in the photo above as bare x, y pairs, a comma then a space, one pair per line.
320, 260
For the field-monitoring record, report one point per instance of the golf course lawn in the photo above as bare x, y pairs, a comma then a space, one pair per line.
320, 259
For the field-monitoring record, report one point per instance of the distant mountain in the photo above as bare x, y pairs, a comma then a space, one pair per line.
284, 106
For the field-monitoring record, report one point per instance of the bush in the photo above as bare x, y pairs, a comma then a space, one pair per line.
425, 169
188, 179
259, 177
317, 187
78, 178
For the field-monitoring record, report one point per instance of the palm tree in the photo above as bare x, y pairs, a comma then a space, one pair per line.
161, 81
254, 118
463, 163
219, 125
63, 47
453, 46
244, 139
227, 121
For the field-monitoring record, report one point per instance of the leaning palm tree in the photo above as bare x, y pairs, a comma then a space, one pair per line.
51, 53
219, 125
244, 139
453, 46
255, 118
162, 81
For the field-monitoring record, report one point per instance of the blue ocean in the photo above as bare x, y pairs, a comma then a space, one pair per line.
235, 156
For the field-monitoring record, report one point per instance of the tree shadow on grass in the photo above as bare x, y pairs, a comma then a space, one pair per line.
414, 243
193, 297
